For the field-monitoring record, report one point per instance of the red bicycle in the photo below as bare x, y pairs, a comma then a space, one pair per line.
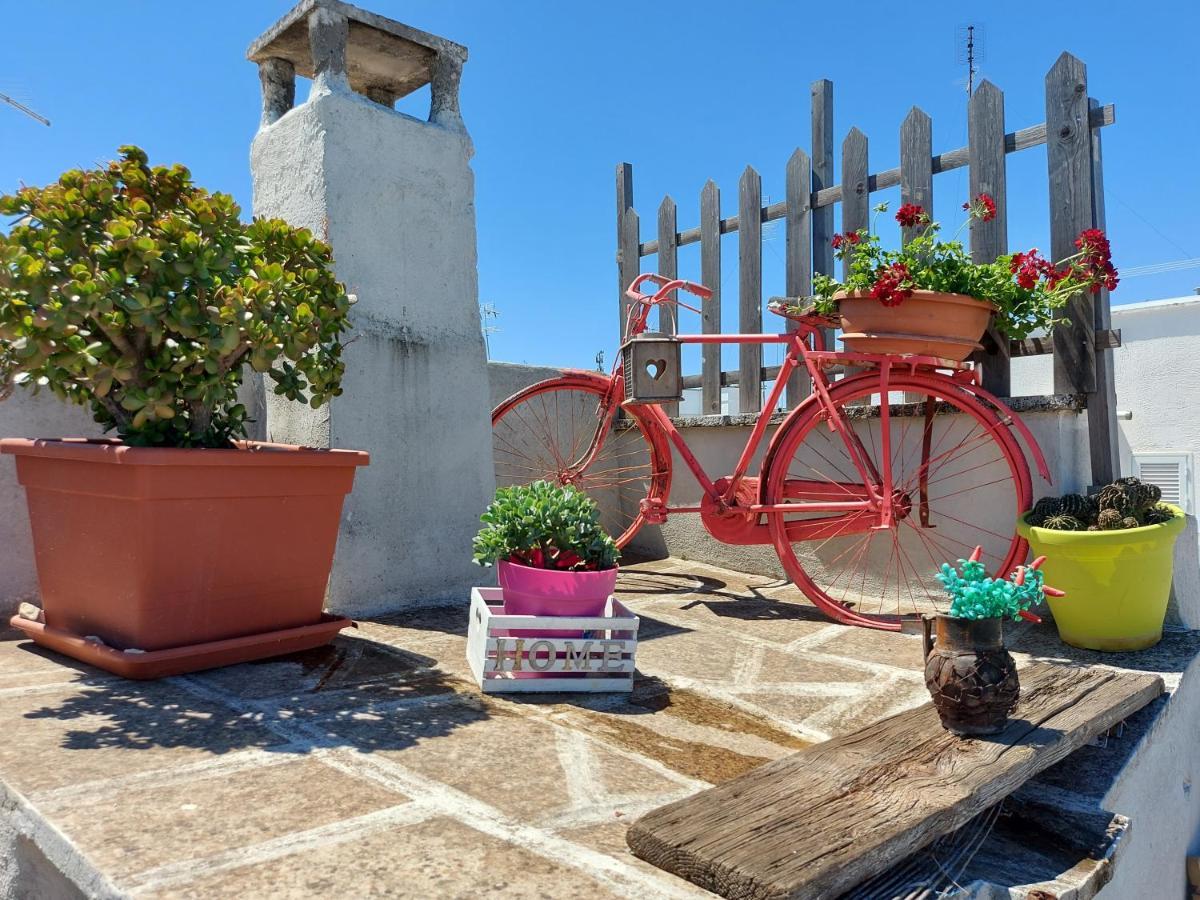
864, 489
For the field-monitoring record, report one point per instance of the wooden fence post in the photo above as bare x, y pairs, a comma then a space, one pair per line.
987, 175
628, 235
822, 177
856, 197
798, 274
1069, 163
1102, 405
710, 274
916, 165
750, 289
668, 267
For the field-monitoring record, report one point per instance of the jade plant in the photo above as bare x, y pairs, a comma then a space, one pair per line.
975, 595
1126, 503
544, 526
131, 290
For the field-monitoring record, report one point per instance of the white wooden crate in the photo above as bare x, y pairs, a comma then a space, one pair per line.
502, 663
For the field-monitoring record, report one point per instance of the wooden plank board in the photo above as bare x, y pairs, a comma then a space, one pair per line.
1069, 164
798, 262
819, 822
710, 315
668, 267
823, 198
750, 290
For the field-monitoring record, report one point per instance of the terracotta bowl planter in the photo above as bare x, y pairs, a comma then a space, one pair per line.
177, 560
928, 323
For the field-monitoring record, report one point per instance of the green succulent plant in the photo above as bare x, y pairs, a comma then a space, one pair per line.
546, 526
132, 291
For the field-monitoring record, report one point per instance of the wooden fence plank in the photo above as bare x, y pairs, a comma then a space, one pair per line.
1069, 163
628, 261
798, 274
823, 820
856, 198
668, 267
916, 165
1102, 405
985, 129
823, 225
710, 274
750, 289
942, 162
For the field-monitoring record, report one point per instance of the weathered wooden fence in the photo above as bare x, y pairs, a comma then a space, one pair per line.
1071, 134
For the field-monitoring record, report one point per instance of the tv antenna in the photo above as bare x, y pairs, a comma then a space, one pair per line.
488, 311
969, 41
25, 109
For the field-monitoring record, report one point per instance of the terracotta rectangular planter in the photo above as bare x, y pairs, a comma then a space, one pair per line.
156, 549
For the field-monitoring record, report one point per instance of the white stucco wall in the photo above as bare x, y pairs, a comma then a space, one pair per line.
1157, 375
395, 198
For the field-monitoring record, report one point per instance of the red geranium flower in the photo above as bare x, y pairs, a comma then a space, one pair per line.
892, 285
982, 207
850, 237
910, 215
1095, 260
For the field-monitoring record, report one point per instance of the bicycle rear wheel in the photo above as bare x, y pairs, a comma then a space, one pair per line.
552, 431
959, 477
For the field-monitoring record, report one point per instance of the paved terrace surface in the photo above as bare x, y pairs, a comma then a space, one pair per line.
373, 767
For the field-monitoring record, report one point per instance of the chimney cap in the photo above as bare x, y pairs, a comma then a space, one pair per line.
382, 55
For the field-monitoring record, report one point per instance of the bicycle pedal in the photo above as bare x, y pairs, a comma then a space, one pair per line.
653, 510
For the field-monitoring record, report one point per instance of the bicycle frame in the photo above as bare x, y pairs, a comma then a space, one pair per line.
805, 347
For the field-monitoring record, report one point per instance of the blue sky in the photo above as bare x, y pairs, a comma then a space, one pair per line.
555, 94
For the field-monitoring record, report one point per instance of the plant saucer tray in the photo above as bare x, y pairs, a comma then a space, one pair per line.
189, 658
593, 654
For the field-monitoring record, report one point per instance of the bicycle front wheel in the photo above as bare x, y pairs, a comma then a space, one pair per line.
554, 431
959, 480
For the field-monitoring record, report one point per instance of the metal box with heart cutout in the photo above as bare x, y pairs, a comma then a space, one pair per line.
652, 368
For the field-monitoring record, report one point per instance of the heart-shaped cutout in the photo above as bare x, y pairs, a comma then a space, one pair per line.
655, 368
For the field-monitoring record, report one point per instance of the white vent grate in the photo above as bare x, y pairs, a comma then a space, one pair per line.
1171, 472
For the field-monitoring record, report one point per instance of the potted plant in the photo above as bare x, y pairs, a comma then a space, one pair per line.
929, 298
552, 556
969, 673
1113, 552
176, 545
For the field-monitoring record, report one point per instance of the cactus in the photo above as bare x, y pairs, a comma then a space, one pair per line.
1077, 506
1044, 509
1145, 495
1157, 515
1063, 522
1108, 519
1093, 528
1130, 522
1114, 496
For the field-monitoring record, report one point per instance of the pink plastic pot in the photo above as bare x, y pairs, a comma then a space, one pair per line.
548, 592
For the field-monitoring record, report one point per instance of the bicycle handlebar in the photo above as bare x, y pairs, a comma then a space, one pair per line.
666, 286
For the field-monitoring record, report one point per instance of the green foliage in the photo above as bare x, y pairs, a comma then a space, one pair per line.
545, 526
976, 596
929, 263
133, 291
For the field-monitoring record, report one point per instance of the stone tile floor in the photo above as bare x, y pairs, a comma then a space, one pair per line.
373, 767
